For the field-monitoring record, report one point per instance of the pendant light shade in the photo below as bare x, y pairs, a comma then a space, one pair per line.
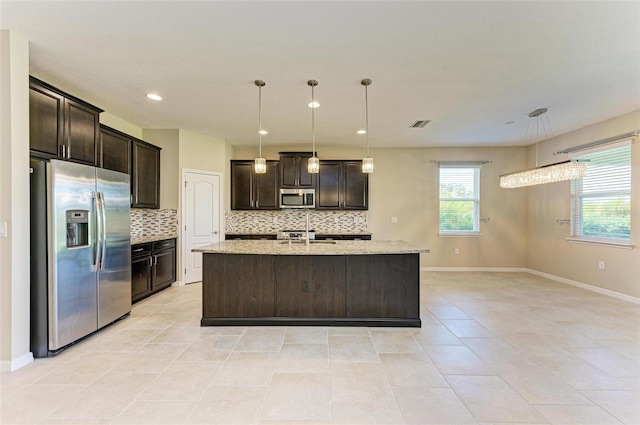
313, 165
260, 166
367, 161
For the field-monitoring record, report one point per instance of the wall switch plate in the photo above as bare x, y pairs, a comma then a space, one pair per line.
394, 219
601, 265
3, 229
456, 251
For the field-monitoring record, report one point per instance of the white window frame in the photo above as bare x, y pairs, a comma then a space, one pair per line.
475, 199
577, 199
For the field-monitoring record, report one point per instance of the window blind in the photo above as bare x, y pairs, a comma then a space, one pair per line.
459, 198
601, 200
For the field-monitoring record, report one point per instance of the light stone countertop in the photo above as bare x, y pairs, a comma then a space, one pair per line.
314, 248
151, 238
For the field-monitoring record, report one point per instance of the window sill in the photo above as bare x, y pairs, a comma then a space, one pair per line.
602, 242
460, 234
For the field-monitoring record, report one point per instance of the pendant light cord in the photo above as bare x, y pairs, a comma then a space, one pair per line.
366, 119
313, 123
260, 118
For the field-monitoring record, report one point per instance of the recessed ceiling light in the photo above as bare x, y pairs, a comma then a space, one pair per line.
263, 132
313, 105
154, 96
362, 131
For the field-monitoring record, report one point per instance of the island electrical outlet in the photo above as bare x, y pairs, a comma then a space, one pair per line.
305, 286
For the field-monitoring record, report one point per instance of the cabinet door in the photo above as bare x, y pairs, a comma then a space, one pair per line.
46, 109
81, 132
140, 277
266, 188
145, 178
164, 269
293, 170
242, 185
355, 187
305, 179
329, 186
114, 151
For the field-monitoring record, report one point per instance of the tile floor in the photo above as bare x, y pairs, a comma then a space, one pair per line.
493, 348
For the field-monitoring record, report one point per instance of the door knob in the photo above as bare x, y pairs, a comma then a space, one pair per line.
215, 232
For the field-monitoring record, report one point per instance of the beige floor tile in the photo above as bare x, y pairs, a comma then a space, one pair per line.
151, 358
467, 328
435, 335
246, 369
298, 396
209, 348
261, 339
610, 361
126, 340
229, 405
538, 385
579, 415
105, 398
457, 360
394, 341
306, 335
182, 381
442, 312
303, 358
359, 382
495, 351
224, 330
427, 318
30, 405
411, 370
150, 412
381, 413
490, 399
423, 406
86, 369
348, 331
74, 421
624, 405
178, 333
352, 349
154, 321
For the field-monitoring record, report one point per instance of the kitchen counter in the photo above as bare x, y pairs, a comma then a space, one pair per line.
151, 238
326, 283
314, 248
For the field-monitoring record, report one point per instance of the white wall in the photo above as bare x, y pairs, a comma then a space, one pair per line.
548, 251
14, 201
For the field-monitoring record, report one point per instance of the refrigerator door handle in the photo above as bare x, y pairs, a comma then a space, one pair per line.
98, 231
103, 211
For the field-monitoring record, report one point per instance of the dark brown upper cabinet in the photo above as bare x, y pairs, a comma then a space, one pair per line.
293, 170
342, 186
251, 191
145, 175
114, 150
62, 126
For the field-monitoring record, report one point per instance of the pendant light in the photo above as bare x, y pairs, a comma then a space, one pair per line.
560, 171
260, 166
367, 161
313, 166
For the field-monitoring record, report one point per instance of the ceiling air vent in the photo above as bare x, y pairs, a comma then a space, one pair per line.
419, 124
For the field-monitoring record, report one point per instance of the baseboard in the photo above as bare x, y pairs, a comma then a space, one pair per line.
177, 283
11, 365
474, 269
588, 287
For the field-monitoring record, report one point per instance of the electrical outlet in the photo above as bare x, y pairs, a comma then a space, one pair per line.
305, 286
601, 265
394, 219
456, 251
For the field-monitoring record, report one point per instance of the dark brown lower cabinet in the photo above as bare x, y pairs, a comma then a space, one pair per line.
153, 268
323, 290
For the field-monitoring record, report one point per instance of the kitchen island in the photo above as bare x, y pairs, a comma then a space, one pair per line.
325, 283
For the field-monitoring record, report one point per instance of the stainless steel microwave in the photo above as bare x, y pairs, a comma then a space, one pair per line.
297, 198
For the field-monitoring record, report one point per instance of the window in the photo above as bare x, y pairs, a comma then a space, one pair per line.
601, 200
459, 199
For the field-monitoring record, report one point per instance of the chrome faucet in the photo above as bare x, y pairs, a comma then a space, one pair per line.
307, 234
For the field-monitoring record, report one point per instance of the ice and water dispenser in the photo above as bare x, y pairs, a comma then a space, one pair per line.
77, 228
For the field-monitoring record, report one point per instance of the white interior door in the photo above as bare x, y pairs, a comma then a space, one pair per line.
201, 218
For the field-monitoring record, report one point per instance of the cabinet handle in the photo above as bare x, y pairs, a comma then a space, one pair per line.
155, 260
150, 261
166, 244
138, 250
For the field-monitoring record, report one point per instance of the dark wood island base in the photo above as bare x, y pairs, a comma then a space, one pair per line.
311, 290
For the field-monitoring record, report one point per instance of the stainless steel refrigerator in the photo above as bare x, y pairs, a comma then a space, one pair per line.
80, 252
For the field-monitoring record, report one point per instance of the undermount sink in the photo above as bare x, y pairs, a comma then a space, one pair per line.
302, 241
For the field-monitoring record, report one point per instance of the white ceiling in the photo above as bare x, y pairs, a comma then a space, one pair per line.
469, 67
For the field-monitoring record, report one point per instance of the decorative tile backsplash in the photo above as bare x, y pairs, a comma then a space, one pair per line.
293, 219
154, 222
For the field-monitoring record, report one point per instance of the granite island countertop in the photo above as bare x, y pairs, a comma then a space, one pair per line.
314, 248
